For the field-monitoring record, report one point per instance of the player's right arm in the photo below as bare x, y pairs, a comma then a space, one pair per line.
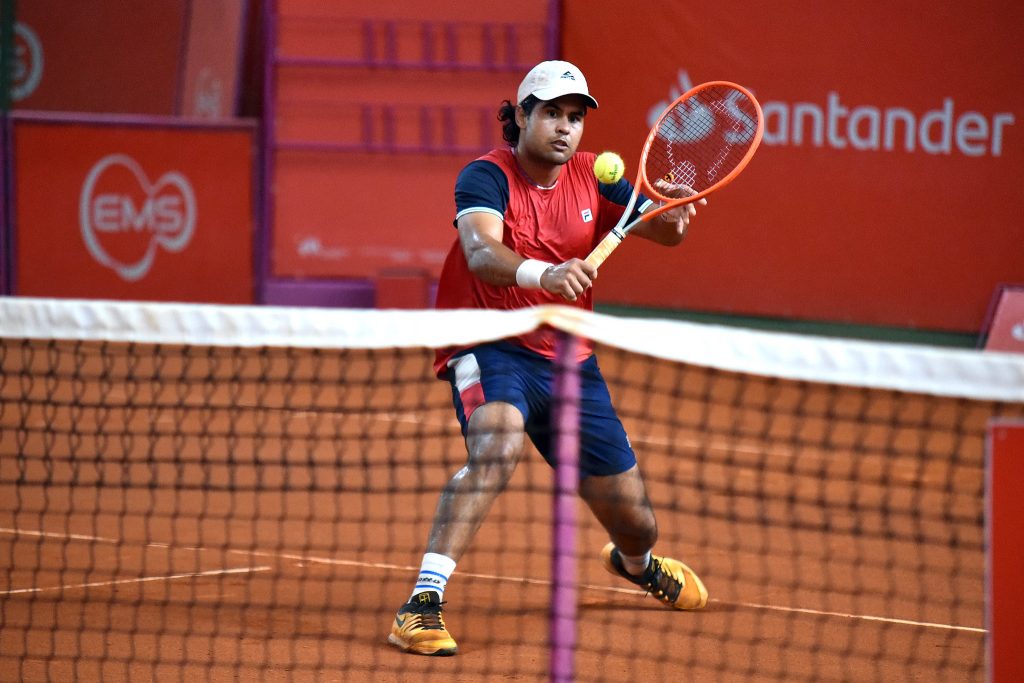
480, 234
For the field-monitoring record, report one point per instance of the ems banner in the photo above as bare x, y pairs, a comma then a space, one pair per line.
115, 209
886, 190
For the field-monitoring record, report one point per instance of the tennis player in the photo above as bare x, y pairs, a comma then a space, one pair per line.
527, 215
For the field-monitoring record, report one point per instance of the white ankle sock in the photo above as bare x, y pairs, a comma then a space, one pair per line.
635, 564
434, 573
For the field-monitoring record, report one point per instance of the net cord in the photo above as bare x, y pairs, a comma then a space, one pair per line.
965, 373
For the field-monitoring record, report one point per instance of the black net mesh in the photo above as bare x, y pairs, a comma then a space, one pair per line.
258, 512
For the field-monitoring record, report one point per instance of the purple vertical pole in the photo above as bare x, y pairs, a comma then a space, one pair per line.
265, 242
6, 219
511, 46
387, 112
369, 43
366, 119
390, 44
429, 43
489, 50
240, 51
566, 399
451, 45
183, 43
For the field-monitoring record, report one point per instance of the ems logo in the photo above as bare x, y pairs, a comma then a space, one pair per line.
125, 218
587, 216
28, 62
568, 74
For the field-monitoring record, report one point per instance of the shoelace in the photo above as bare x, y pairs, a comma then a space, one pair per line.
430, 616
662, 584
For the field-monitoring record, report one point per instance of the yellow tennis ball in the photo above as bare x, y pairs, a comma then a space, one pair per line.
609, 167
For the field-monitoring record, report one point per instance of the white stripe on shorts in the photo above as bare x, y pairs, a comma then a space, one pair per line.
467, 371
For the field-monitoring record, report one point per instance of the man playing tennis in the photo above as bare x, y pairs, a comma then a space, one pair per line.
527, 215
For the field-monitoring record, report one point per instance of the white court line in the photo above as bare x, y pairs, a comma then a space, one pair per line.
864, 617
51, 534
609, 589
143, 579
488, 577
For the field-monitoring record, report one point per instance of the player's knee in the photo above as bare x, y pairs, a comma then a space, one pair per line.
496, 459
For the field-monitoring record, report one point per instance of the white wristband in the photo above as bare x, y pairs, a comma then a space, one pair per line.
529, 272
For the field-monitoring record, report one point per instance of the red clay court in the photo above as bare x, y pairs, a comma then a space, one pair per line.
201, 513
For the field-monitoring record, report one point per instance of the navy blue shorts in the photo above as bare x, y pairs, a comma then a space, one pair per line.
502, 371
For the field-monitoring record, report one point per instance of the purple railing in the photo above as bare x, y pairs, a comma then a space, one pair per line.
409, 44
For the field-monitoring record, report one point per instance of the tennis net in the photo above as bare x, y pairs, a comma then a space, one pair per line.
239, 493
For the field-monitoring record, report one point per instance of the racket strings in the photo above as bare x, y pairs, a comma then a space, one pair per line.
701, 140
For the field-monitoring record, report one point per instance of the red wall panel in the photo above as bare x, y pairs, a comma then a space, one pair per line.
127, 211
375, 111
213, 59
99, 56
887, 187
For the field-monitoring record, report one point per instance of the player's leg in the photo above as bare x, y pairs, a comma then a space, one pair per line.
494, 443
614, 489
494, 435
620, 504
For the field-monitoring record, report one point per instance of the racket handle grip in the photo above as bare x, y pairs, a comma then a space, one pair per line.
604, 249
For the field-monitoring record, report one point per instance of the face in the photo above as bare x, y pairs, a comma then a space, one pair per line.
553, 130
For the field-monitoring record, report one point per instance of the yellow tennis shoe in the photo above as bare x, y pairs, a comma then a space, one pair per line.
419, 627
670, 581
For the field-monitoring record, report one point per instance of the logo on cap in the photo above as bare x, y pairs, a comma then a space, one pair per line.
568, 74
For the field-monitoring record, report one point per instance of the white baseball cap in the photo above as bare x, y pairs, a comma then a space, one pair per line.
550, 80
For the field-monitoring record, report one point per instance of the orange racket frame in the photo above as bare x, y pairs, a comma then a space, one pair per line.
644, 185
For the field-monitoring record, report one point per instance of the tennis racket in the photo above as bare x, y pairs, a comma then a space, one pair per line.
699, 144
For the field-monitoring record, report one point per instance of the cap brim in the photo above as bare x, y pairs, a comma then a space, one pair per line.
555, 93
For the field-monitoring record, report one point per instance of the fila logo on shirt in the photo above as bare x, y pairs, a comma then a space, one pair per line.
586, 215
125, 218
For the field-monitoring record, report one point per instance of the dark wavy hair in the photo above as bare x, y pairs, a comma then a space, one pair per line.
507, 116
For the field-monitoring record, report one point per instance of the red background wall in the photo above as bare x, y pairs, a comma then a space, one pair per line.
109, 76
139, 57
372, 111
375, 110
104, 55
210, 74
902, 238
